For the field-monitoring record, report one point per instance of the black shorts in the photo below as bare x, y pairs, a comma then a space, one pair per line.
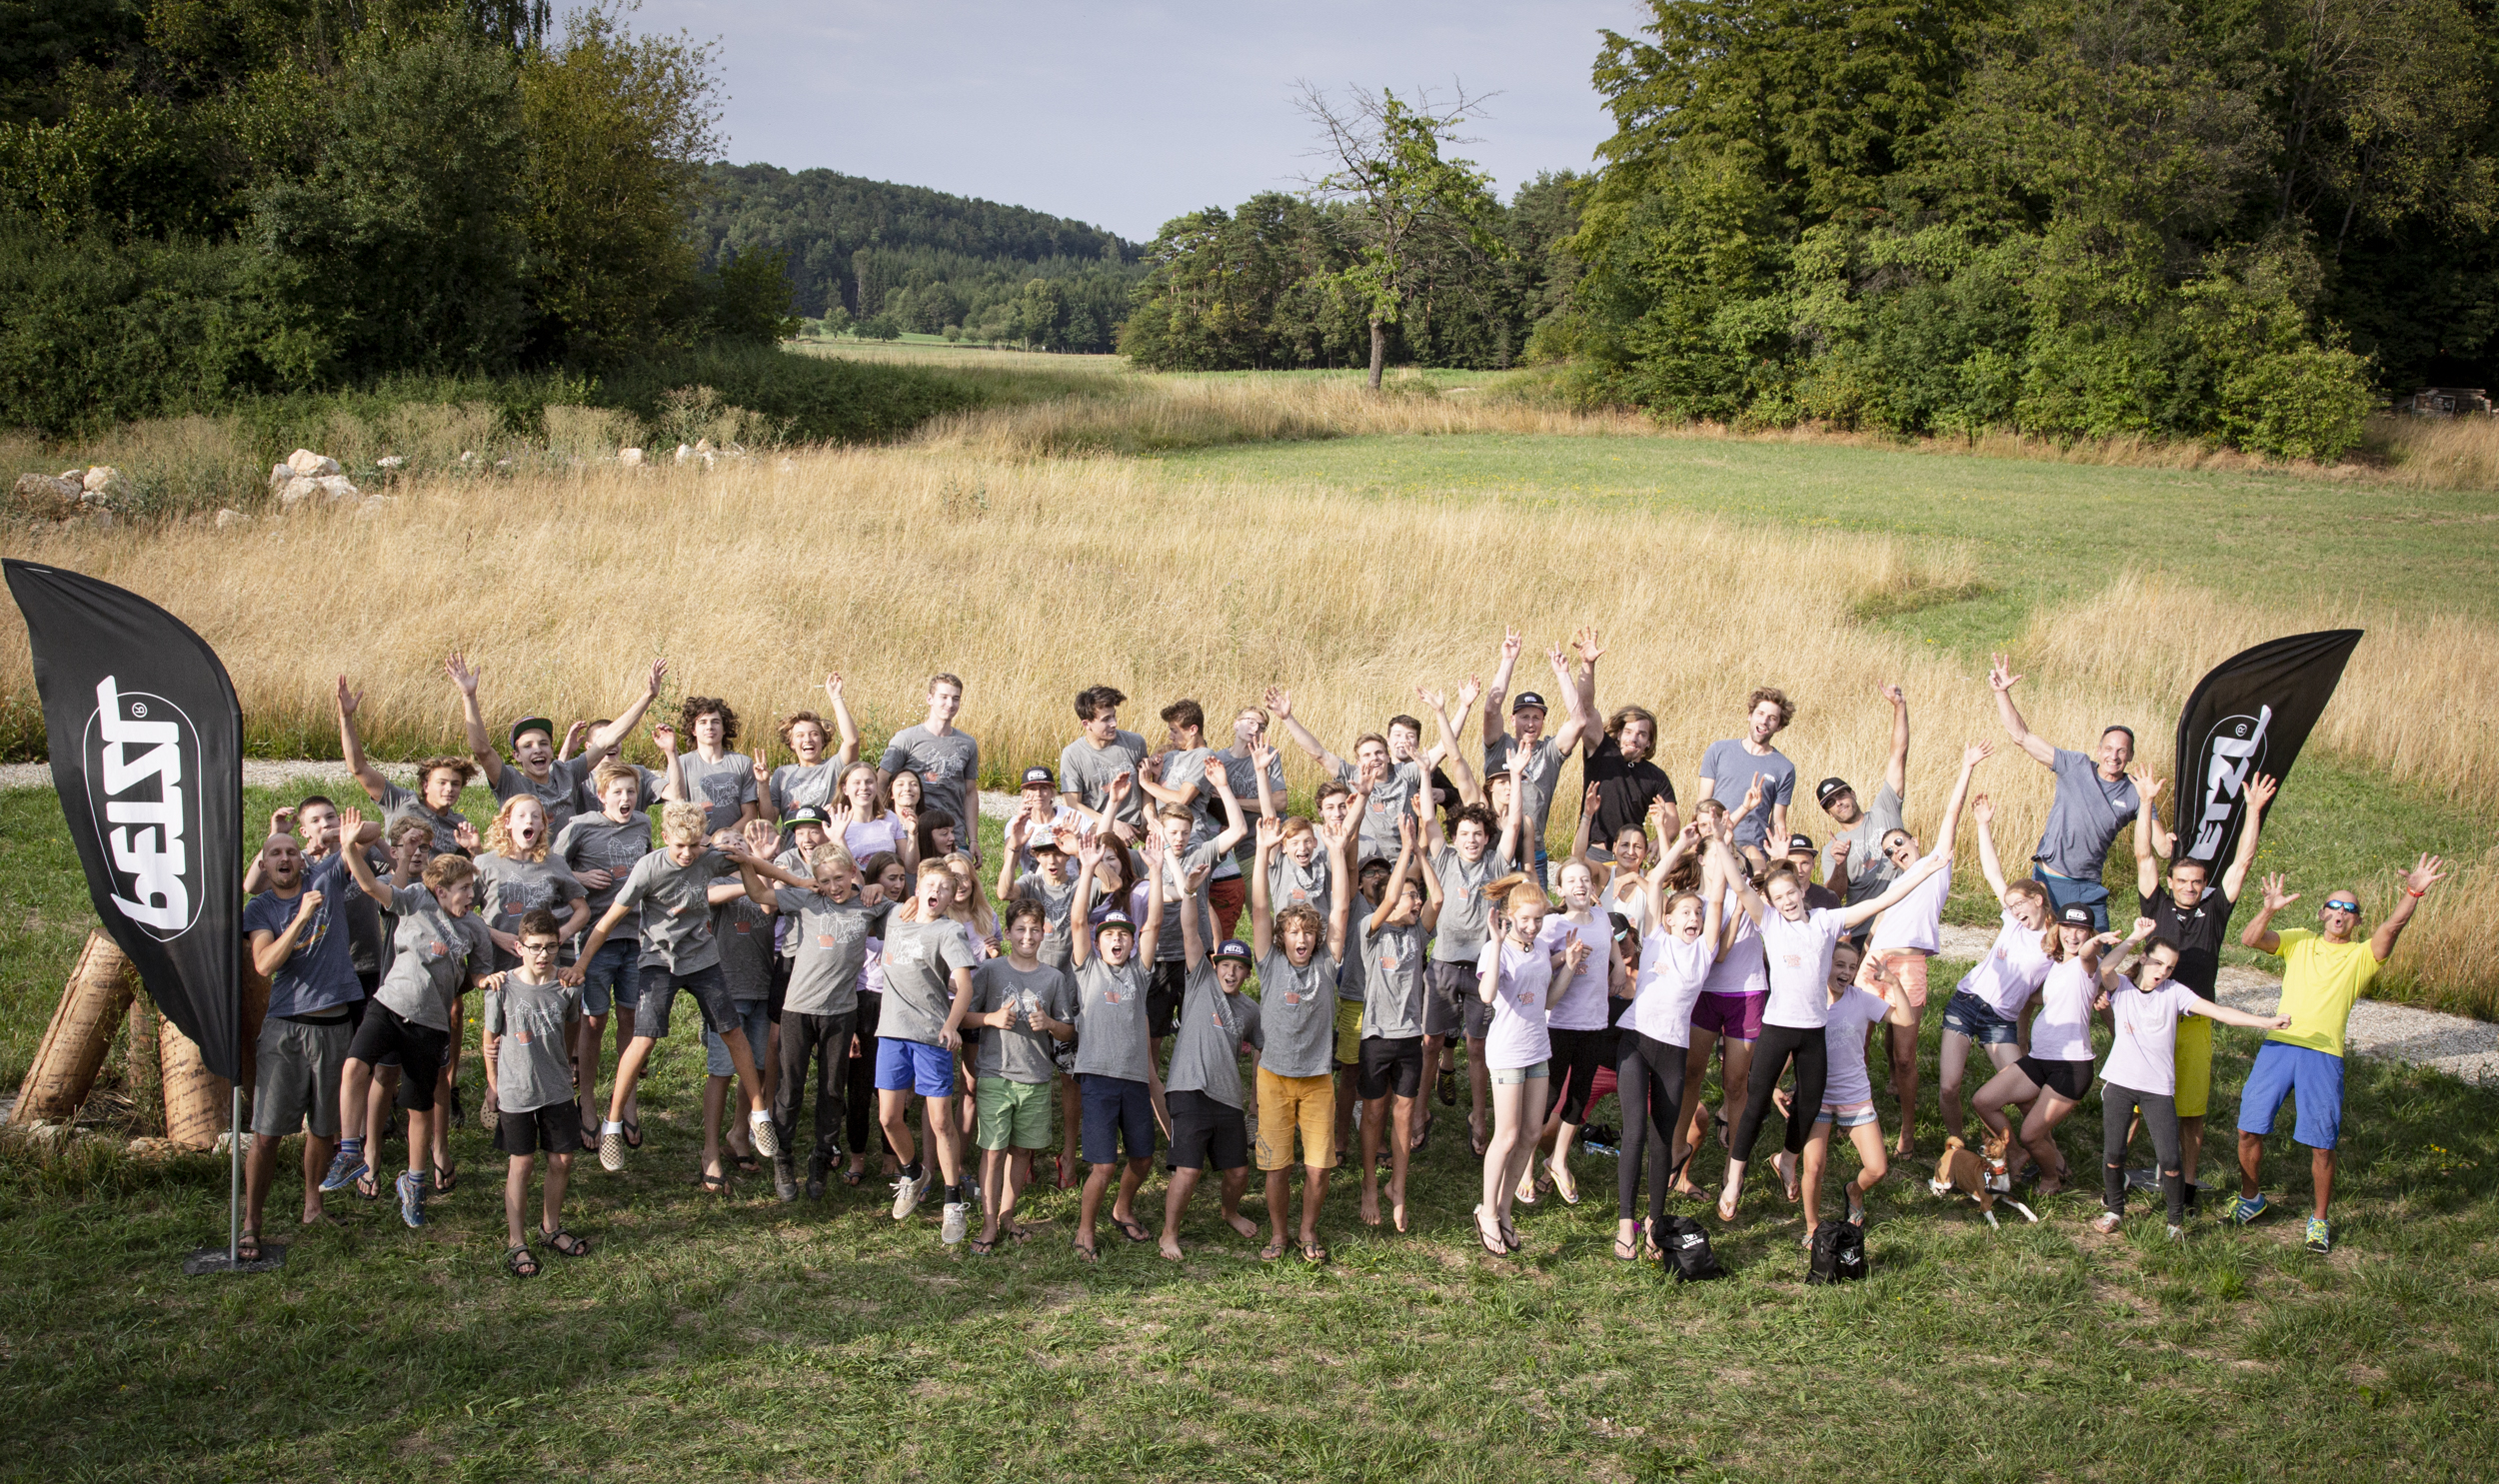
780, 990
1163, 997
1206, 1134
556, 1128
420, 1049
1453, 1001
2067, 1079
1576, 1055
658, 992
1390, 1066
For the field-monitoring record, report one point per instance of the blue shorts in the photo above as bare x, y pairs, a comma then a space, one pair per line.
1117, 1111
759, 1028
2065, 892
2312, 1080
1966, 1014
613, 976
914, 1067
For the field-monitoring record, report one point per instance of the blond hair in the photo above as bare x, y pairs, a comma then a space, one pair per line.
499, 832
683, 823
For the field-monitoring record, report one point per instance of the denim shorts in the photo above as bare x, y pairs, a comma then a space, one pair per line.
1966, 1014
754, 1018
1510, 1077
613, 975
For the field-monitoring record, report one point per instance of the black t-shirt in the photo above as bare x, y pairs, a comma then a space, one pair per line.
1624, 789
2199, 932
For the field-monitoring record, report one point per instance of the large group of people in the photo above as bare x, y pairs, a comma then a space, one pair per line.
1088, 1000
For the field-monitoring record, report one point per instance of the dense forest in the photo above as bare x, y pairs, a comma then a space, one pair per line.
208, 199
892, 258
2235, 219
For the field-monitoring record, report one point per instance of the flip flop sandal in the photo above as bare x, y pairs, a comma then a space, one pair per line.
1510, 1236
716, 1184
446, 1178
1489, 1236
1566, 1186
1314, 1254
1090, 1254
853, 1177
633, 1134
367, 1186
1628, 1251
1131, 1230
747, 1164
982, 1249
519, 1261
247, 1247
564, 1243
1272, 1251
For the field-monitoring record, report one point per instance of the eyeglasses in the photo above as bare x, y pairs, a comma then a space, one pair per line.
2343, 906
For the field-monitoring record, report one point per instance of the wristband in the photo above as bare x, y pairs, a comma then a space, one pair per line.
2408, 892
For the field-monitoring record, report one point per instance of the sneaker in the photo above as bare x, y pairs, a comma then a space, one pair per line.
2320, 1236
345, 1170
958, 1221
764, 1136
411, 1188
785, 1178
908, 1193
2246, 1208
819, 1165
2177, 1234
611, 1150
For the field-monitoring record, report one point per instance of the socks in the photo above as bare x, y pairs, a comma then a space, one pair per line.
352, 1149
954, 1196
911, 1171
612, 1125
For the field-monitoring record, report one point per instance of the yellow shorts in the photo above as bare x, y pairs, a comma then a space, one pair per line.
2196, 1065
1290, 1103
1349, 1033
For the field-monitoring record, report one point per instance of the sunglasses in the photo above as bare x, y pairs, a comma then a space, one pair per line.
2343, 906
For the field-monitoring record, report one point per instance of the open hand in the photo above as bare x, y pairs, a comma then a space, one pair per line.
2275, 897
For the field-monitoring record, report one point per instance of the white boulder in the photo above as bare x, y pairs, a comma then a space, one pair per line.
630, 457
226, 517
336, 487
306, 462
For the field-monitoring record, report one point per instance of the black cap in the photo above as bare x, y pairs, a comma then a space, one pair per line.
2076, 915
537, 724
1033, 775
1823, 790
1233, 947
1800, 844
1527, 699
806, 814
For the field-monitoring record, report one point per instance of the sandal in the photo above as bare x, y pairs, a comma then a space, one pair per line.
1565, 1185
1131, 1230
1314, 1254
1489, 1236
1790, 1178
633, 1134
445, 1177
982, 1249
853, 1177
1090, 1254
367, 1186
1509, 1235
564, 1242
2107, 1222
1628, 1251
747, 1164
519, 1261
1272, 1250
716, 1184
247, 1247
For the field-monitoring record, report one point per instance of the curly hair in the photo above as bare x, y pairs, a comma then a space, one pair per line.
1777, 698
499, 834
699, 707
790, 723
1303, 913
466, 768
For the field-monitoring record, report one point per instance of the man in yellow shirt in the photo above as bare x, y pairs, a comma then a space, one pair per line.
2323, 972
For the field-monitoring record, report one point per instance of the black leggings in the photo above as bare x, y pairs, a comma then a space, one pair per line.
2160, 1116
1650, 1073
1577, 1054
860, 1096
828, 1040
1780, 1044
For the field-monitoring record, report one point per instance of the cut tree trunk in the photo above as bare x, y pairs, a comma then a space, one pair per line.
81, 1034
1380, 351
142, 1065
197, 1100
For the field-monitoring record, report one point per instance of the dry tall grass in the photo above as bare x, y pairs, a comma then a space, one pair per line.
2437, 453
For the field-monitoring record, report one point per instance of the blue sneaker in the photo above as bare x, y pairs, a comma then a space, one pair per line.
411, 1188
2320, 1236
345, 1170
2246, 1208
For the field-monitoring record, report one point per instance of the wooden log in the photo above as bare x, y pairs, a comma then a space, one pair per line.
143, 1066
198, 1103
80, 1037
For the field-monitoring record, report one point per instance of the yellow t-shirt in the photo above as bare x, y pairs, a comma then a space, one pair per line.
2319, 983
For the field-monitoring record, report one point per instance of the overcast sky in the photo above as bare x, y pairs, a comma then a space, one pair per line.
1128, 114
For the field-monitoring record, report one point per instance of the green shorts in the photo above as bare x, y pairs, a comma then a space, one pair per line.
1011, 1115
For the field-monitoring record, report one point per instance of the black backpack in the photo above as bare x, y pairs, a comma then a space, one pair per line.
1688, 1250
1838, 1253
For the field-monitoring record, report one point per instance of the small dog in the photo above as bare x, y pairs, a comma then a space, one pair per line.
1979, 1179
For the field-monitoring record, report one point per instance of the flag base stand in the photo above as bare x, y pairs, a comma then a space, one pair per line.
229, 1259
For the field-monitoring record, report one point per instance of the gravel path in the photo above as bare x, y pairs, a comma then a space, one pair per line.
2455, 1044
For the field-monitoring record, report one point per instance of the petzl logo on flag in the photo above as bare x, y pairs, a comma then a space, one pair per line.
2233, 751
143, 766
2251, 715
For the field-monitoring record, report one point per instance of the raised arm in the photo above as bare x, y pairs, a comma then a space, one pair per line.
1398, 874
2151, 843
1732, 869
352, 747
1860, 912
1239, 829
2226, 1015
1469, 790
2260, 792
846, 731
1493, 730
481, 746
357, 866
1192, 942
1019, 830
2260, 934
1983, 810
1341, 866
611, 737
671, 771
1151, 929
2415, 883
1262, 912
1279, 704
1594, 800
1080, 917
1577, 724
1896, 771
1950, 831
2001, 679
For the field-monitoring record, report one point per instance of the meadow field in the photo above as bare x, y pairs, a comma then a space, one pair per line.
1208, 537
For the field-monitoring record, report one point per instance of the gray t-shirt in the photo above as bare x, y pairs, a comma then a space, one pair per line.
919, 964
1168, 942
1391, 799
797, 784
1206, 1040
829, 939
561, 792
507, 888
1466, 918
1298, 1007
533, 1060
2087, 814
1539, 772
399, 803
1393, 980
1110, 1020
1290, 884
1017, 1051
947, 766
1871, 871
1730, 769
1086, 771
724, 789
1242, 775
434, 955
1058, 902
744, 933
650, 779
676, 907
592, 841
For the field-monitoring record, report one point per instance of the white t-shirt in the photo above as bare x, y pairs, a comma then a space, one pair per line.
1631, 901
1521, 979
2143, 1057
1667, 986
1740, 970
2012, 970
1915, 920
1845, 1083
1800, 968
1579, 1005
2062, 1032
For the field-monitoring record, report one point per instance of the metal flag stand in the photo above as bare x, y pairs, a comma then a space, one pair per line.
229, 1260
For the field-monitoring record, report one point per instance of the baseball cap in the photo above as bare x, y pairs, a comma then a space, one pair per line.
1527, 699
2076, 915
1800, 844
1033, 775
806, 814
1113, 918
1825, 790
532, 723
1233, 947
1046, 841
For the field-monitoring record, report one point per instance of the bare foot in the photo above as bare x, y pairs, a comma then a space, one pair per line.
1242, 1224
1397, 1207
1170, 1248
1370, 1204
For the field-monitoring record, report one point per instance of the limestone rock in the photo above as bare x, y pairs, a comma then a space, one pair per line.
306, 462
296, 491
44, 496
336, 487
630, 457
229, 517
104, 481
